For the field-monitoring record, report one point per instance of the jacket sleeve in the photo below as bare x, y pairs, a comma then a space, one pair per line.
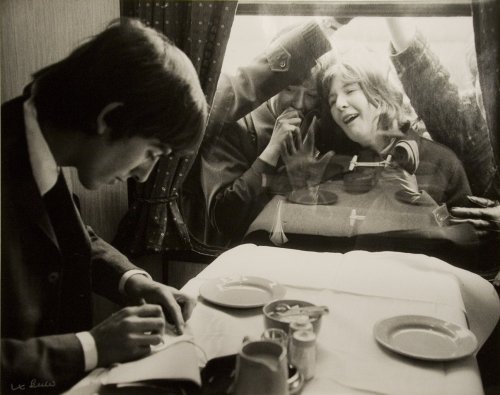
287, 60
108, 266
441, 174
53, 361
232, 180
450, 117
458, 186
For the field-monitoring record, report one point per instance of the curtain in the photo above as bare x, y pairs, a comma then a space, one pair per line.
486, 20
160, 209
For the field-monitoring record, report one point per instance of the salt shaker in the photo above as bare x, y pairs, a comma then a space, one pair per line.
300, 322
303, 352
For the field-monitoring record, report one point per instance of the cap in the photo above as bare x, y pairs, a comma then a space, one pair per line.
304, 337
301, 322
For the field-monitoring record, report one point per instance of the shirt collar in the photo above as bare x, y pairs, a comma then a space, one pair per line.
43, 163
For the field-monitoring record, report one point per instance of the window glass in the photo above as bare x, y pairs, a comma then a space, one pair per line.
349, 190
450, 38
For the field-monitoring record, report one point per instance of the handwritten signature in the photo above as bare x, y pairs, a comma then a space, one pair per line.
34, 383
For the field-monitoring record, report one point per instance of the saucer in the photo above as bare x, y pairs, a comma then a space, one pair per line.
426, 338
241, 292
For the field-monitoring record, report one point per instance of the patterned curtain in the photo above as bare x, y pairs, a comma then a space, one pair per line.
155, 220
486, 20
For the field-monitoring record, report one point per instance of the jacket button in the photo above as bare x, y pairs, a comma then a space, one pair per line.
53, 277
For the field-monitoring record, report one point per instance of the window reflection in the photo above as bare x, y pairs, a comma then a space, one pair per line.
367, 146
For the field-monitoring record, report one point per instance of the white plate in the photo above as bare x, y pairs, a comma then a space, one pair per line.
425, 338
241, 292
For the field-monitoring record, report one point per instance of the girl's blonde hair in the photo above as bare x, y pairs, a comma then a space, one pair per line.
377, 80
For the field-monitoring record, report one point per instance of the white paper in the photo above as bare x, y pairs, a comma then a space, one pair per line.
175, 360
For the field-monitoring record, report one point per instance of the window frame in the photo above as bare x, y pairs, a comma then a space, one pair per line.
346, 8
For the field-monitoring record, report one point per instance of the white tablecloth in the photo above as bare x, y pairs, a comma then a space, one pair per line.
359, 288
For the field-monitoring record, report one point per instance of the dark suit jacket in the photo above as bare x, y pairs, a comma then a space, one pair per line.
46, 294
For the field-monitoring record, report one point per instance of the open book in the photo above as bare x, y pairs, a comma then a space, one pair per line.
175, 359
173, 365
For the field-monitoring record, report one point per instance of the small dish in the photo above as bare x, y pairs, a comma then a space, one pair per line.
360, 181
241, 292
426, 338
272, 320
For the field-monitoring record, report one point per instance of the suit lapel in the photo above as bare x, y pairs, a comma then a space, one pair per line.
33, 208
65, 219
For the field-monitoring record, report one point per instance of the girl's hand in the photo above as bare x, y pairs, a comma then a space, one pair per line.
303, 166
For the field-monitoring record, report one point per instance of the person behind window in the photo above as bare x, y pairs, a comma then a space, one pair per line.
280, 84
110, 109
367, 103
457, 119
452, 117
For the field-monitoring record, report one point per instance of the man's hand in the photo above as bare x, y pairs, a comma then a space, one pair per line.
128, 334
177, 307
485, 219
303, 167
288, 123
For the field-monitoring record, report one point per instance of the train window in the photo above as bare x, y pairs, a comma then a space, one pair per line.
368, 149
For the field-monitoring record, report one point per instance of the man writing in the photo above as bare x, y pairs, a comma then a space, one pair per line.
110, 109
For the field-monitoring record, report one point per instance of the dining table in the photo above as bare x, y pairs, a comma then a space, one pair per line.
360, 289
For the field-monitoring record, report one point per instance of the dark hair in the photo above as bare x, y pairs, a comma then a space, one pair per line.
131, 64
